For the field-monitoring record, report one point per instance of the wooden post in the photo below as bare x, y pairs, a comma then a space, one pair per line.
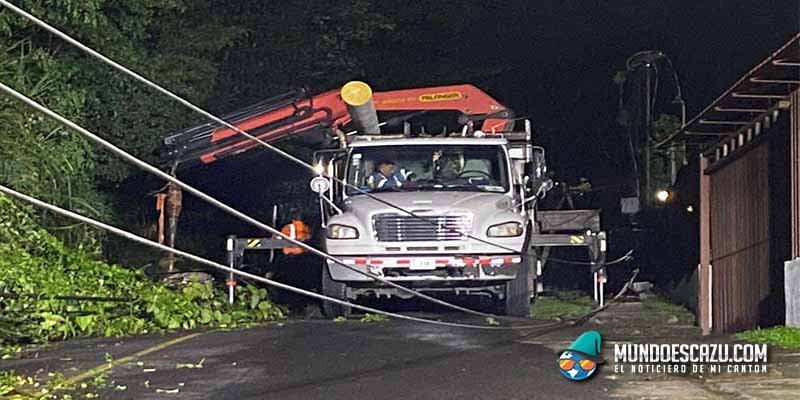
705, 316
174, 201
160, 197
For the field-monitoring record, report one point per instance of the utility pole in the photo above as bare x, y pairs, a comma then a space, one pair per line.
648, 133
644, 64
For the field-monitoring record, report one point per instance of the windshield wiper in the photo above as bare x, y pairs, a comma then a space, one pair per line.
387, 189
462, 188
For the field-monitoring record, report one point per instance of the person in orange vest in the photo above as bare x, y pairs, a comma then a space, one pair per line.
297, 229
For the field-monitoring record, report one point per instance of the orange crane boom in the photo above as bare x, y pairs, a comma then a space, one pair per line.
297, 113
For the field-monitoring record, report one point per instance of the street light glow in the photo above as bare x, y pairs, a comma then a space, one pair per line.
662, 195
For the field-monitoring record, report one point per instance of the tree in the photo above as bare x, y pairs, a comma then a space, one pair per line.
662, 169
42, 158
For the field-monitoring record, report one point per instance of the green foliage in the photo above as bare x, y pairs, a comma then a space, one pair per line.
180, 54
172, 41
38, 268
660, 167
664, 306
778, 336
665, 126
37, 155
567, 304
374, 318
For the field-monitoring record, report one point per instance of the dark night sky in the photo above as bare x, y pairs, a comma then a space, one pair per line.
564, 55
554, 60
557, 60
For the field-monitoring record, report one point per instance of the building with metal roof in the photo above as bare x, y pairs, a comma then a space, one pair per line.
748, 142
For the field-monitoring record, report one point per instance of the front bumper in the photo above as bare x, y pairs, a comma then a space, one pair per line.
442, 269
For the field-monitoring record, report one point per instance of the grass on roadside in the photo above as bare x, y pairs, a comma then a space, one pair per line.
565, 304
661, 305
778, 336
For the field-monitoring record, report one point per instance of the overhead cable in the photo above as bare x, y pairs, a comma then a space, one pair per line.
230, 210
221, 121
128, 235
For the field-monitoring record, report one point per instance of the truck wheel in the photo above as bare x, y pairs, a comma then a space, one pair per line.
518, 295
334, 289
521, 291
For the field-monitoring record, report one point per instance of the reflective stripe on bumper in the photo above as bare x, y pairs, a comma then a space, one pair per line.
400, 262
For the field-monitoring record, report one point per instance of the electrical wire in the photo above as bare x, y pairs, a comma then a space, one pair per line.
230, 210
218, 120
678, 91
286, 155
583, 318
625, 257
128, 235
200, 194
655, 92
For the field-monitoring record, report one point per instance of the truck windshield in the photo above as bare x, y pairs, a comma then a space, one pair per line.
428, 167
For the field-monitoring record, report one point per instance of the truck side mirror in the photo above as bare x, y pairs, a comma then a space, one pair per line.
538, 163
539, 177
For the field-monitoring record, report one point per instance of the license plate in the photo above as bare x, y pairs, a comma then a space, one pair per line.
422, 264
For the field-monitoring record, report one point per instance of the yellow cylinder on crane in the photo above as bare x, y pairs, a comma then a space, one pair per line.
358, 97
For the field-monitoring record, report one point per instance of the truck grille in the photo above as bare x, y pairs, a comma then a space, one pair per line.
405, 228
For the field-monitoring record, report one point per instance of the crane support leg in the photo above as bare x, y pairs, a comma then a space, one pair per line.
594, 242
173, 207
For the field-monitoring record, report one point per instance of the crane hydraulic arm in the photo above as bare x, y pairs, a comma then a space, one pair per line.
297, 112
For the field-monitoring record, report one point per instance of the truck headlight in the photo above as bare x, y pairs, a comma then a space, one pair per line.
336, 231
508, 229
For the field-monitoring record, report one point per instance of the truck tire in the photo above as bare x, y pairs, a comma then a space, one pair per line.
337, 290
519, 291
517, 296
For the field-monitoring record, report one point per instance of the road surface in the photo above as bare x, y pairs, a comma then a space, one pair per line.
322, 359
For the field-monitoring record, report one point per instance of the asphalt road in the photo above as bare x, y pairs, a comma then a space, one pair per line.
322, 359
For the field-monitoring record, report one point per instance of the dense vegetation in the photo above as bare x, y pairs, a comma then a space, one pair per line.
49, 291
48, 262
42, 158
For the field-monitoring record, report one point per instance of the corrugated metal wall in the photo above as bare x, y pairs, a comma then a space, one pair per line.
740, 240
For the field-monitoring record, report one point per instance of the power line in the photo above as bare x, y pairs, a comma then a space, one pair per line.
212, 200
625, 257
128, 235
230, 210
200, 194
190, 256
216, 119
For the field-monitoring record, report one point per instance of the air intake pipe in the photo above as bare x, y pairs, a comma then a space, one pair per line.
358, 97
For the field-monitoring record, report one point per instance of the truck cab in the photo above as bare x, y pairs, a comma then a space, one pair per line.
433, 213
